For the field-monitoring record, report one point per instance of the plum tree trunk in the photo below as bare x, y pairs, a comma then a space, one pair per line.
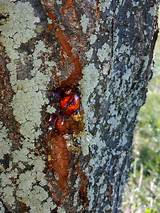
73, 77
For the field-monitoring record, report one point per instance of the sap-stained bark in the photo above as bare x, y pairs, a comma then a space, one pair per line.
73, 77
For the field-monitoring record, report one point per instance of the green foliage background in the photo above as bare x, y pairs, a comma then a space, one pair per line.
142, 193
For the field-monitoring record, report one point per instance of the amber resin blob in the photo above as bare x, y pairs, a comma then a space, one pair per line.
68, 114
63, 126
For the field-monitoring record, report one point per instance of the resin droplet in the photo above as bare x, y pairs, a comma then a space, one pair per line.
52, 121
70, 104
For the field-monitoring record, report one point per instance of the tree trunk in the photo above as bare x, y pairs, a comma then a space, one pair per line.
74, 75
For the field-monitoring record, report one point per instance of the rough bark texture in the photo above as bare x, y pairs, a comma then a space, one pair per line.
97, 52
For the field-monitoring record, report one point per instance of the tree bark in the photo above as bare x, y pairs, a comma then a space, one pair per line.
74, 75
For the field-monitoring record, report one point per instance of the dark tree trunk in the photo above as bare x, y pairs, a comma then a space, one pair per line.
73, 77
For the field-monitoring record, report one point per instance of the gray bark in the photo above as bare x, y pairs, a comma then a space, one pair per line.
114, 41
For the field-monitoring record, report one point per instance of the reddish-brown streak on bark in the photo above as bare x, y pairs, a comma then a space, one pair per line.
59, 157
76, 73
83, 185
66, 48
97, 9
63, 40
68, 4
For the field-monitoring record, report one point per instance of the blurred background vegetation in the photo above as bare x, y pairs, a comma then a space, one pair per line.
142, 193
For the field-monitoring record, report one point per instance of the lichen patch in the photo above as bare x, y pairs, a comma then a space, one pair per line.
19, 14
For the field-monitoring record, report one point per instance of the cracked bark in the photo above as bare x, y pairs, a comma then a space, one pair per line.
104, 49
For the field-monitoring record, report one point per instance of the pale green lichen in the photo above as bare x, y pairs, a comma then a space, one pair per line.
19, 28
20, 155
35, 200
59, 1
106, 68
5, 180
93, 38
84, 22
4, 147
85, 140
7, 195
27, 108
20, 25
51, 109
89, 81
40, 49
89, 54
104, 5
7, 187
103, 52
61, 210
2, 210
27, 104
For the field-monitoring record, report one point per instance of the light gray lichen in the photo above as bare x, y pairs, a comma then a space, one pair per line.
103, 52
19, 14
89, 54
27, 106
2, 210
61, 210
93, 38
4, 147
89, 81
50, 109
84, 22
